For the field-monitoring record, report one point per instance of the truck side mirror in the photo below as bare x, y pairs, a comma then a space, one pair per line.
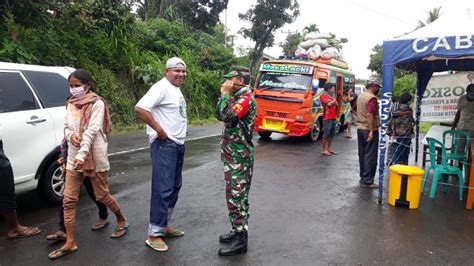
315, 86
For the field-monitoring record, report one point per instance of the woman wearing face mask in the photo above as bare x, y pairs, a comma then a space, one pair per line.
86, 126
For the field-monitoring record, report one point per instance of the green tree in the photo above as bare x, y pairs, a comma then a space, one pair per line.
311, 28
405, 83
203, 14
198, 15
433, 15
291, 43
375, 63
266, 17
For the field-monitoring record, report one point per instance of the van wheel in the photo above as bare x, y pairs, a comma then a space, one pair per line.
264, 134
313, 135
51, 185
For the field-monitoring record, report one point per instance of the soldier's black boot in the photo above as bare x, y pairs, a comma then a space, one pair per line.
238, 245
227, 238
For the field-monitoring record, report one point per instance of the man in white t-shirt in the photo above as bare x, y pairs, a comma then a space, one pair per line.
163, 109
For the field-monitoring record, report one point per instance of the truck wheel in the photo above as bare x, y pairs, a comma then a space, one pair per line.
51, 185
313, 135
264, 134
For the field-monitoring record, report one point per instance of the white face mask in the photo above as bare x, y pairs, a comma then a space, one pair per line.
77, 91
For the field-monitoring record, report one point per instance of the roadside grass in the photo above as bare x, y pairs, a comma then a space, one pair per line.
123, 129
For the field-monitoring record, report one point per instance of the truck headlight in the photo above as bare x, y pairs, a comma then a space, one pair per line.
299, 118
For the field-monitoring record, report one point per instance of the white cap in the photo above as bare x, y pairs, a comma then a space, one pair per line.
174, 62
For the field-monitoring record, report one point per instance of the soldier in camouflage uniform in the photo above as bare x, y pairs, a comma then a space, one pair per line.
237, 108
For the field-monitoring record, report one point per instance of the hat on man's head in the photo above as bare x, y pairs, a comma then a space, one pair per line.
373, 81
174, 62
238, 71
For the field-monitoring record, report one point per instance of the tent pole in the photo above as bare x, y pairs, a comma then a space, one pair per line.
417, 116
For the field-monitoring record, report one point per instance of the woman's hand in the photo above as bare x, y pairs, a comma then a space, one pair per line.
76, 140
78, 164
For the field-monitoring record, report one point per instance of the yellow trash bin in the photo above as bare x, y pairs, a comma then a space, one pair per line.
405, 186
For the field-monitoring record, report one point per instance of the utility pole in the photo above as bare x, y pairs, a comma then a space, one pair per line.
225, 27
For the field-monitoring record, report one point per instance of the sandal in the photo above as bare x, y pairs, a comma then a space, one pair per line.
174, 233
157, 245
58, 236
99, 225
334, 153
29, 231
123, 229
326, 154
58, 253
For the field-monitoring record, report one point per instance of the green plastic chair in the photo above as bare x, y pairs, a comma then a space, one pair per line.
454, 153
440, 170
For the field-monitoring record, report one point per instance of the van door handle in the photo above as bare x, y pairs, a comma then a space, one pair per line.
35, 120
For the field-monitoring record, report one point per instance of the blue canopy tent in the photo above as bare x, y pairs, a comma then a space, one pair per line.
446, 44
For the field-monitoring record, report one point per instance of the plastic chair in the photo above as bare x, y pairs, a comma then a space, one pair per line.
440, 170
455, 154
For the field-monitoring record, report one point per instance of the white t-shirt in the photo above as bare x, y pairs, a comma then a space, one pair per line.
168, 107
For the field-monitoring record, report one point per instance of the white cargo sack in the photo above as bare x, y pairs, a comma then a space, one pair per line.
310, 43
314, 52
316, 35
300, 51
331, 52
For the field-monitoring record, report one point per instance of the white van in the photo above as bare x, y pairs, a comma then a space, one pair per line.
32, 110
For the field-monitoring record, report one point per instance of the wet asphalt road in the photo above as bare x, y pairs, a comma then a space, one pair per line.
306, 209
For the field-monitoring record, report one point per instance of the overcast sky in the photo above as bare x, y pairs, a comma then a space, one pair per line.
364, 22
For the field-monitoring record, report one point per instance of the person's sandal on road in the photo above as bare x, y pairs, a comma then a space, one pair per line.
174, 233
57, 236
372, 186
101, 224
120, 231
28, 232
58, 253
157, 245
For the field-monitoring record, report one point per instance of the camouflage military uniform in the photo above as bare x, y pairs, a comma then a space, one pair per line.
400, 127
237, 152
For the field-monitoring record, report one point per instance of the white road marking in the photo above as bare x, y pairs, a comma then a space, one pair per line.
145, 148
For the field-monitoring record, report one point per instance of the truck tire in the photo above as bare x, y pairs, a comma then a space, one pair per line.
51, 185
313, 135
264, 134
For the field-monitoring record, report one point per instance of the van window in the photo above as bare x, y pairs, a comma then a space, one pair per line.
52, 89
15, 95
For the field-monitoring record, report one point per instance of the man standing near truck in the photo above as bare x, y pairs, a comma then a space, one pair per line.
329, 102
237, 109
368, 122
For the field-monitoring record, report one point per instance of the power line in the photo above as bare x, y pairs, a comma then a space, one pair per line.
382, 14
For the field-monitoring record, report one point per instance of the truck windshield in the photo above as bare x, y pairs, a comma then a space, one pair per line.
279, 81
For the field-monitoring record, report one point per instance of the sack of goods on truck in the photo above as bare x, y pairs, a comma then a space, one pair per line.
320, 45
316, 35
314, 52
310, 43
331, 52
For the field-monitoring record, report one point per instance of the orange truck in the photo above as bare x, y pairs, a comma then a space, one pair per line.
287, 92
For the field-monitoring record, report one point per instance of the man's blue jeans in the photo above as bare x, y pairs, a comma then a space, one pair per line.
167, 165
